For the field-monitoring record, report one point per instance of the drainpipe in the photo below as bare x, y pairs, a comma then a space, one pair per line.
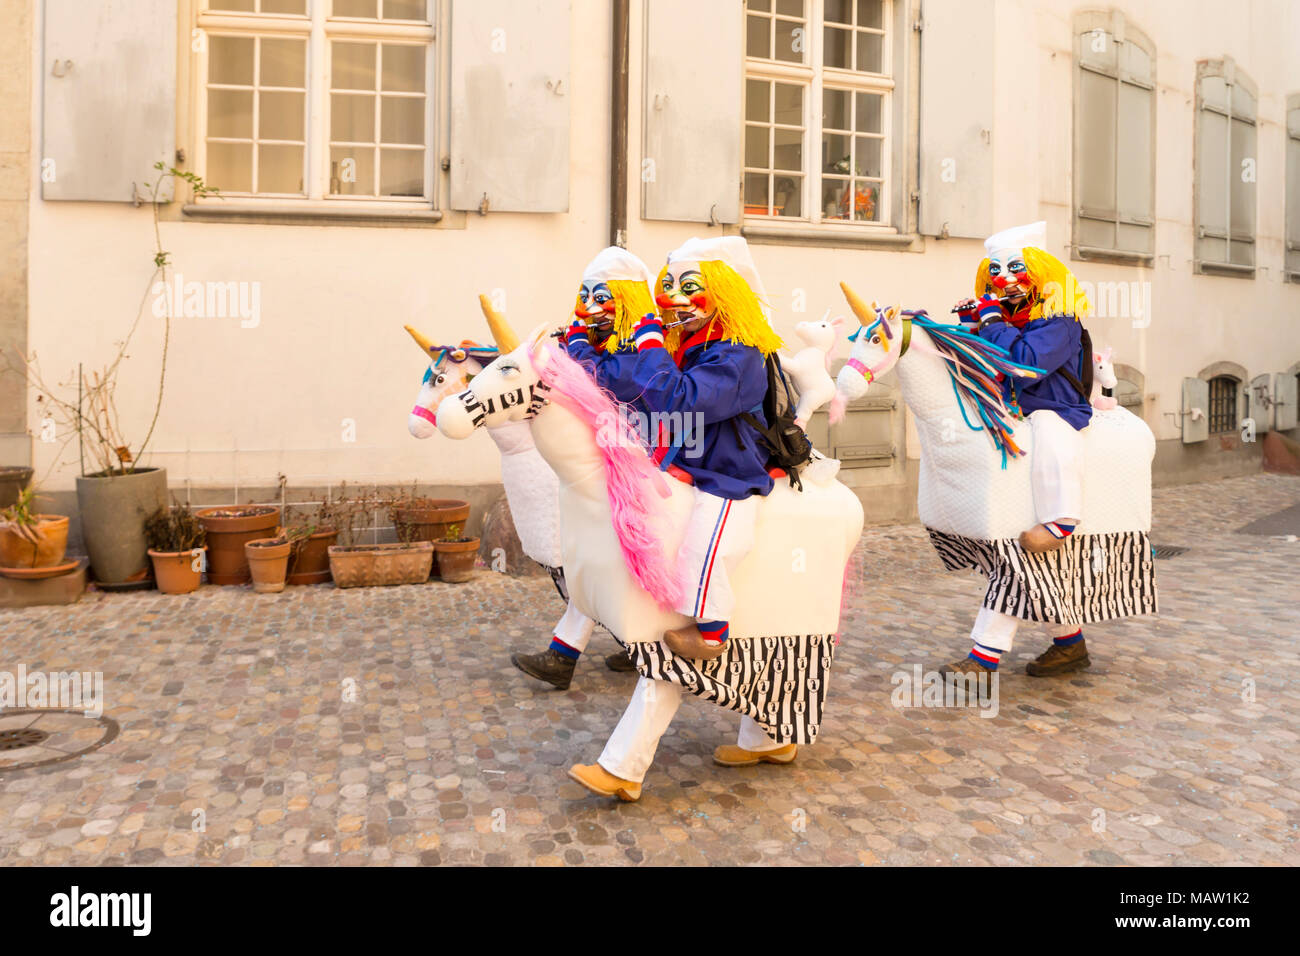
618, 126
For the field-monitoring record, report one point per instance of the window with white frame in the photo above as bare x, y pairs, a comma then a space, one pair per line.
817, 110
316, 99
1226, 137
1114, 134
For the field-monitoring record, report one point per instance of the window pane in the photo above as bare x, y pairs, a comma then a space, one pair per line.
295, 7
402, 120
835, 109
230, 167
838, 50
231, 60
403, 68
1211, 172
279, 169
1097, 142
230, 114
1134, 151
789, 104
756, 194
280, 115
352, 171
284, 63
758, 40
871, 14
835, 153
353, 66
869, 157
235, 6
1243, 191
790, 8
868, 115
352, 118
865, 205
757, 106
789, 43
785, 196
839, 11
788, 152
757, 139
401, 172
406, 10
835, 197
871, 55
356, 8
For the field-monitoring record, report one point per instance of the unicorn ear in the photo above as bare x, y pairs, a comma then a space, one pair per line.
1105, 355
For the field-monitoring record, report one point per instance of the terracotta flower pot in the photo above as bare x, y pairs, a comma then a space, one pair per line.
177, 572
51, 544
228, 530
268, 560
380, 564
456, 559
429, 519
312, 563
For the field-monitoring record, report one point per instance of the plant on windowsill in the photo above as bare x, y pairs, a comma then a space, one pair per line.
115, 493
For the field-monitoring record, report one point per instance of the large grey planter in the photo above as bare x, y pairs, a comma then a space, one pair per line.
113, 513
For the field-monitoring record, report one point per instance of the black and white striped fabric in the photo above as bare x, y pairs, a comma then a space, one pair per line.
778, 681
1090, 578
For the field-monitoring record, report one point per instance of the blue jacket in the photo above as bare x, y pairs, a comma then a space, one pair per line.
709, 385
1050, 343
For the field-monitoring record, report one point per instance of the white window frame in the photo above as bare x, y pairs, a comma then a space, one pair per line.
1227, 70
814, 80
318, 28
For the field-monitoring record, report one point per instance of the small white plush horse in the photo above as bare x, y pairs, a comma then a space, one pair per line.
810, 367
1103, 376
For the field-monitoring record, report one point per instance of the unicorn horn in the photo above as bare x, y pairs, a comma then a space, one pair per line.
421, 341
864, 313
504, 335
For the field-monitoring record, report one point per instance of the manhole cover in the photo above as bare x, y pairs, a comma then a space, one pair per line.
1168, 550
39, 736
26, 737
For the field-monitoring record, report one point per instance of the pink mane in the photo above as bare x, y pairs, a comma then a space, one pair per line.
629, 475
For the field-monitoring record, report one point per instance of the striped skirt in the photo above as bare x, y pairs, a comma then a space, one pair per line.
1090, 578
778, 681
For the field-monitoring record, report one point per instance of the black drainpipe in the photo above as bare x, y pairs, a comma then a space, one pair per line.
618, 127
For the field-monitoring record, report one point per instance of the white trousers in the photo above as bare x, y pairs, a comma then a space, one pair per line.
719, 534
574, 628
1056, 468
631, 748
997, 630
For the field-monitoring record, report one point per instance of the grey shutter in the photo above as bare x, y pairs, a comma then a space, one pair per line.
691, 127
1293, 186
1196, 394
1284, 393
1258, 402
510, 105
109, 113
956, 111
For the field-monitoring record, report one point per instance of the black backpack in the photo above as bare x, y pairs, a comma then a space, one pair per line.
786, 444
1083, 382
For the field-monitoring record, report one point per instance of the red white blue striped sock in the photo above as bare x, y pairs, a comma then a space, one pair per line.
985, 656
714, 632
1058, 529
564, 650
1068, 639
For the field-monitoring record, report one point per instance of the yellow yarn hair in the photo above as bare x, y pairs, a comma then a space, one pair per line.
633, 300
1056, 290
737, 308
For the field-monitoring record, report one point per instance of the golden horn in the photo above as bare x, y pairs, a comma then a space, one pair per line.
864, 313
504, 335
421, 341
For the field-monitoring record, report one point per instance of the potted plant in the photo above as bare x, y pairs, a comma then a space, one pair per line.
29, 539
309, 557
369, 565
427, 519
228, 530
176, 548
116, 495
456, 556
268, 562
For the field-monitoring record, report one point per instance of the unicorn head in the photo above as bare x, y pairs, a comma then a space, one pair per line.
1103, 369
450, 369
877, 346
820, 335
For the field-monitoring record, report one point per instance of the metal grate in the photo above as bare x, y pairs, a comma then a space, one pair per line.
16, 739
62, 735
1223, 405
1167, 550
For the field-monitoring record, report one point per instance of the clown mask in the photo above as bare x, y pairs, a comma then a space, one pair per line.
596, 305
684, 295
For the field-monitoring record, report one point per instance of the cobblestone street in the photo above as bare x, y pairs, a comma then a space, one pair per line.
1180, 746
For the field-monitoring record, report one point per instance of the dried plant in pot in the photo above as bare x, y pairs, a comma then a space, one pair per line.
309, 558
228, 530
176, 549
370, 565
268, 562
456, 556
29, 539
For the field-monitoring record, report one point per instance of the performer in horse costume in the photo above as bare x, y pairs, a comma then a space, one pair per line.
626, 519
990, 508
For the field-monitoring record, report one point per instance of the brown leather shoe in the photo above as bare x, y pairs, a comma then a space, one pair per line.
1060, 660
961, 673
1038, 540
603, 783
729, 755
550, 666
620, 663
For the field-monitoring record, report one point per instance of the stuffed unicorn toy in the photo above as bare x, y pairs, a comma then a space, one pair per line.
810, 367
1103, 376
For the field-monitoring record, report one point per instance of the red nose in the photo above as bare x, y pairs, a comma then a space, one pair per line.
1002, 281
665, 301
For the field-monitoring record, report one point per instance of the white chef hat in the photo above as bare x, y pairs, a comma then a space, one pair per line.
1016, 238
615, 264
732, 250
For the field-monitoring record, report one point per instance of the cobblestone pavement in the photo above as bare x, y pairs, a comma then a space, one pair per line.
230, 703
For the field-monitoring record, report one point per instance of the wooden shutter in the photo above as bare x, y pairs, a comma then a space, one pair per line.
1196, 394
1259, 402
1284, 393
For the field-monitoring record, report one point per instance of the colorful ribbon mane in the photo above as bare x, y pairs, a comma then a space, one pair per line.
976, 368
485, 354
